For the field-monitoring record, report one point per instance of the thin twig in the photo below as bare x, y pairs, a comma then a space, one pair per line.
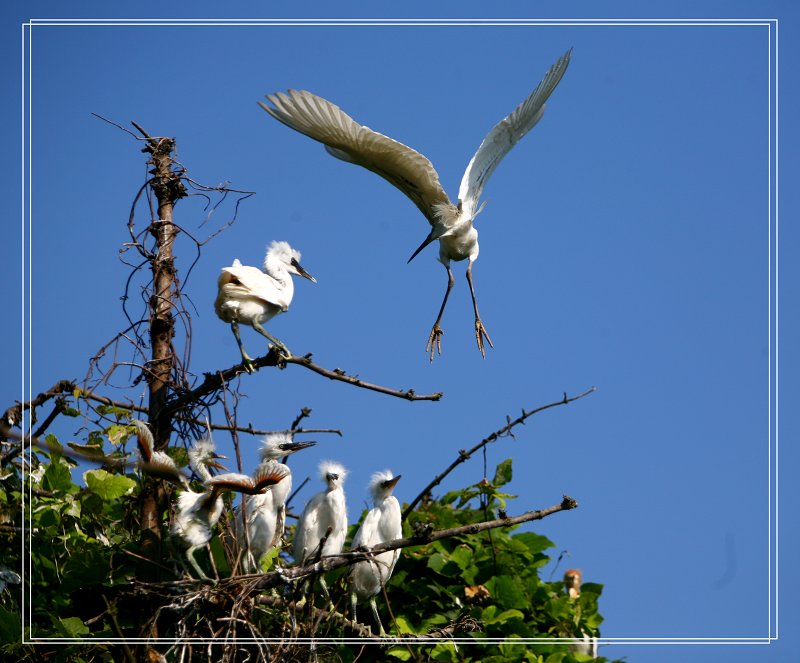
463, 455
338, 374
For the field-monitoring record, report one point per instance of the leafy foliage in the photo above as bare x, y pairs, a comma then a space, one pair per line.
84, 547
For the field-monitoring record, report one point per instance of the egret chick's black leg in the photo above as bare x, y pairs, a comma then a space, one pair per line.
281, 348
247, 361
374, 607
480, 330
190, 557
353, 604
435, 338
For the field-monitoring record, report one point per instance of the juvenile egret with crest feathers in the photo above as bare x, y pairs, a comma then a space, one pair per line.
323, 518
381, 524
252, 296
414, 174
266, 512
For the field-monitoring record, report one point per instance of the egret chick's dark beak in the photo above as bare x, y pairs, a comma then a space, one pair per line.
291, 447
302, 272
391, 482
213, 463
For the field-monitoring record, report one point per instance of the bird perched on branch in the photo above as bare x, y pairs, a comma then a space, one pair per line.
266, 513
324, 517
251, 296
572, 583
415, 176
382, 523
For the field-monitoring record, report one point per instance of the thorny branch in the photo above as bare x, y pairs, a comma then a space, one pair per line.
463, 455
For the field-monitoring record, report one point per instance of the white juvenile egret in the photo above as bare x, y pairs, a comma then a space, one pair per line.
382, 523
158, 463
414, 174
326, 510
252, 296
198, 513
266, 512
572, 583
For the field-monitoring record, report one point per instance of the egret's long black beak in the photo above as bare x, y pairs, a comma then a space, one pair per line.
291, 447
302, 272
427, 241
391, 482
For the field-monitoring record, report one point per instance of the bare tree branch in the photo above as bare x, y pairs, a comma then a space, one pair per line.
13, 415
289, 431
216, 381
505, 430
338, 374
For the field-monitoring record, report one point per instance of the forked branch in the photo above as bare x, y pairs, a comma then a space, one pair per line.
505, 430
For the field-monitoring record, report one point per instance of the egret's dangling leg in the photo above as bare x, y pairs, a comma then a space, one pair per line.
374, 607
280, 347
247, 361
480, 330
435, 339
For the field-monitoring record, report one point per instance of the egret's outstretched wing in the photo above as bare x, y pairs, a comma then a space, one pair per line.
507, 133
346, 139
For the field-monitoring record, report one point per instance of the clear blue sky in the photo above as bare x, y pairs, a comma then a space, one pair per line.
625, 245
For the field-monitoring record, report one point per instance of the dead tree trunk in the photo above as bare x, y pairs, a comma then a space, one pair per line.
168, 189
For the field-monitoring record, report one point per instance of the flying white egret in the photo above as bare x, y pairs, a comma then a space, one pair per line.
325, 511
382, 523
252, 296
572, 583
266, 512
415, 176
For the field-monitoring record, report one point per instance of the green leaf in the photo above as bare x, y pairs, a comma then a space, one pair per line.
502, 474
505, 616
404, 626
106, 485
506, 592
444, 651
113, 409
268, 560
437, 562
535, 542
10, 625
57, 477
399, 653
462, 556
71, 627
220, 559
